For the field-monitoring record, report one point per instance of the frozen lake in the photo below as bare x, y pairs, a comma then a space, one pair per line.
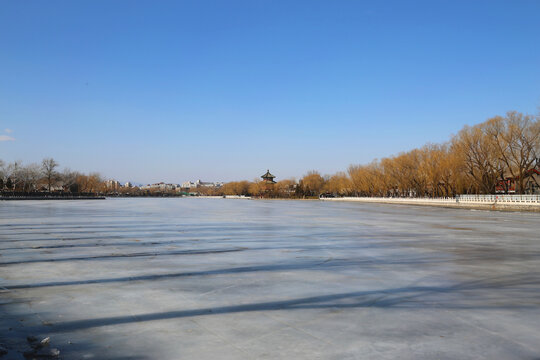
240, 279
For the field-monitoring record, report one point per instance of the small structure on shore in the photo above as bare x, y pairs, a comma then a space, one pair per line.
268, 182
530, 183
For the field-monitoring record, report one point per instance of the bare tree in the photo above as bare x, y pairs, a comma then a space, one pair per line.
12, 174
69, 180
516, 138
2, 174
48, 166
480, 160
28, 177
95, 183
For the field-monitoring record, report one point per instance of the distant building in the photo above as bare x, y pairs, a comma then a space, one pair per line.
128, 185
160, 186
199, 184
189, 185
113, 185
531, 183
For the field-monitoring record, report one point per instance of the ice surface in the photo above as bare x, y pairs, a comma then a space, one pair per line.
240, 279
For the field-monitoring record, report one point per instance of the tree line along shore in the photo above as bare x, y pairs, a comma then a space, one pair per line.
500, 155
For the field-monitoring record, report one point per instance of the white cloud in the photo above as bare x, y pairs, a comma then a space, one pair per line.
6, 138
9, 131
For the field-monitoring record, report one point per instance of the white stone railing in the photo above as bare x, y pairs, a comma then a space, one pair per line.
510, 199
394, 199
461, 199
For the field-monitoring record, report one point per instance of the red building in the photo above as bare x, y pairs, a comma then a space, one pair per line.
531, 184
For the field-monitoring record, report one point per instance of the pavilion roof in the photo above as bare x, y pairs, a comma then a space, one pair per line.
268, 175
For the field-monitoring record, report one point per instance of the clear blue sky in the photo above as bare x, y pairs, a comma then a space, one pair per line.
223, 90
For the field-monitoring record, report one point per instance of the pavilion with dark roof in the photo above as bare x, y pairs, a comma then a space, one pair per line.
268, 178
268, 183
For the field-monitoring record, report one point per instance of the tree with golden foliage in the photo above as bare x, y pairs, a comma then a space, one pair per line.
338, 184
285, 188
312, 184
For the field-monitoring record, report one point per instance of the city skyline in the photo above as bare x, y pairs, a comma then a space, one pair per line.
220, 92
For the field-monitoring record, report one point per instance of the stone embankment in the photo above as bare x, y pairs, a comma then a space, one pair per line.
50, 197
486, 202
